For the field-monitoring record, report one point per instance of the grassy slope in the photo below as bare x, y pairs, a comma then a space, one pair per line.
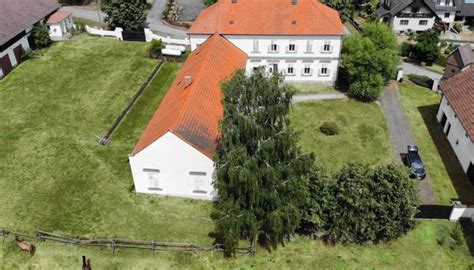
417, 100
417, 250
363, 132
53, 174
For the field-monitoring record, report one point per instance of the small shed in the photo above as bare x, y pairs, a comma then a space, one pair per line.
60, 25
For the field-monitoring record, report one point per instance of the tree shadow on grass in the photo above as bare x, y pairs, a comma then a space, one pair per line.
463, 187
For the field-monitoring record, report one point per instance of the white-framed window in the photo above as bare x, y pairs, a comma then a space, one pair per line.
292, 47
309, 46
327, 46
153, 179
423, 22
255, 46
403, 22
273, 68
324, 71
198, 182
273, 47
290, 70
307, 71
447, 14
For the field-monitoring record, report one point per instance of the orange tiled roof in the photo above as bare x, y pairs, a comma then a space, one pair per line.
459, 91
192, 108
268, 17
58, 16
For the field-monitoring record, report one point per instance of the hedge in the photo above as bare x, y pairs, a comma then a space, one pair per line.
421, 80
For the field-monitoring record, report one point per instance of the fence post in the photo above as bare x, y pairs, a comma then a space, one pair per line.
39, 235
3, 232
113, 246
153, 246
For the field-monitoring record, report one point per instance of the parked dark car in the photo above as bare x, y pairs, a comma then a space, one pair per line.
415, 163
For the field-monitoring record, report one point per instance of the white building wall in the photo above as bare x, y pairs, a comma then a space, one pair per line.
55, 30
461, 144
175, 160
24, 44
309, 53
413, 24
450, 19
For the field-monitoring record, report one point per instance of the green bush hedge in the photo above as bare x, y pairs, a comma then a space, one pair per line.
457, 27
405, 49
329, 128
421, 80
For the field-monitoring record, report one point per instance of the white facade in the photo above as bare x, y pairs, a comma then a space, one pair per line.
444, 10
171, 167
62, 29
457, 135
414, 19
299, 58
23, 42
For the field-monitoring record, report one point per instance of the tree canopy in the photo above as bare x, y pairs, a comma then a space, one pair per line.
369, 61
361, 204
261, 172
127, 14
41, 36
426, 47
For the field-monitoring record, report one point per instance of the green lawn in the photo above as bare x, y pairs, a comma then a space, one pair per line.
417, 250
308, 88
421, 107
363, 134
54, 175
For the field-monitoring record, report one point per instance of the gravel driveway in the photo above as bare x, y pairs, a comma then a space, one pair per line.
401, 135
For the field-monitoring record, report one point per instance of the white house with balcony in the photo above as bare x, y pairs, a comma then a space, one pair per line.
456, 117
300, 38
408, 15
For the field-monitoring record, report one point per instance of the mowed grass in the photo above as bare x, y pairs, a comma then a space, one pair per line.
309, 88
422, 248
54, 176
421, 107
363, 133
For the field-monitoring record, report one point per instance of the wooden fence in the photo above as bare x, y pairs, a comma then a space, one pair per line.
115, 244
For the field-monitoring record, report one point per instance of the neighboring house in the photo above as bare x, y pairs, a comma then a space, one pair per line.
17, 18
300, 38
460, 59
446, 11
174, 155
60, 25
456, 116
465, 10
405, 15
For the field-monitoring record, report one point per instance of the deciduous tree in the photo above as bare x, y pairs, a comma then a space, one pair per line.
127, 14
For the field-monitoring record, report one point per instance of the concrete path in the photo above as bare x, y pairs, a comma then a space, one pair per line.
401, 135
153, 20
303, 98
414, 69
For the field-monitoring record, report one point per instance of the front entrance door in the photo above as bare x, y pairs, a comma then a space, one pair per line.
470, 173
17, 52
5, 64
448, 129
443, 120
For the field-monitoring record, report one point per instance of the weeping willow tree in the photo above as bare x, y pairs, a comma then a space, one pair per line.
261, 172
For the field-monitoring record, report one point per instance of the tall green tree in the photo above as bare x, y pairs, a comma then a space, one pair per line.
369, 61
261, 172
361, 204
426, 47
127, 14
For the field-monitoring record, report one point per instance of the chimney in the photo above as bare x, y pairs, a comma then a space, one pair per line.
234, 1
294, 2
188, 80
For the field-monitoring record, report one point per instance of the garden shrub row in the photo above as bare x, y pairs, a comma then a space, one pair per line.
421, 80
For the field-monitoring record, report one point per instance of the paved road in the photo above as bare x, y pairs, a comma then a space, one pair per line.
303, 98
401, 135
153, 19
414, 69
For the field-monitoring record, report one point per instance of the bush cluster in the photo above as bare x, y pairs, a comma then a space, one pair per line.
421, 80
329, 128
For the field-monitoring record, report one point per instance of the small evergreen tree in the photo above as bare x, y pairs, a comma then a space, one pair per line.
41, 36
261, 172
127, 14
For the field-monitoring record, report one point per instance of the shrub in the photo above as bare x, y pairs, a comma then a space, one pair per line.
441, 60
209, 2
458, 27
421, 80
156, 45
329, 128
80, 26
405, 49
41, 36
27, 54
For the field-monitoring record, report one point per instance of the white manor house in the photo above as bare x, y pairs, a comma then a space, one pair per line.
299, 38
